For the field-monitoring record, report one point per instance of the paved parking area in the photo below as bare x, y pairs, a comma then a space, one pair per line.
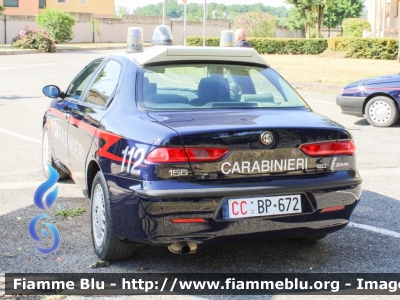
370, 244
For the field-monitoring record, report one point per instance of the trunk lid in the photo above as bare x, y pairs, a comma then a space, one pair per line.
242, 133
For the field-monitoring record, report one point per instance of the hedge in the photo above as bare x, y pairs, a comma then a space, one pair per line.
198, 41
273, 46
289, 46
372, 48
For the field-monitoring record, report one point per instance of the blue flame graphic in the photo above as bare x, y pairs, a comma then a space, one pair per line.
50, 199
44, 187
34, 235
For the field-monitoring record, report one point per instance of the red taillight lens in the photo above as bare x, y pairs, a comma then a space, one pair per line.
334, 208
345, 148
206, 154
329, 148
191, 154
194, 220
167, 155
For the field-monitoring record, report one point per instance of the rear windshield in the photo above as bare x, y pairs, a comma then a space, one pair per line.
213, 86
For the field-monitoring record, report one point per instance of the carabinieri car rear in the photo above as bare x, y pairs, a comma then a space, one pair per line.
191, 147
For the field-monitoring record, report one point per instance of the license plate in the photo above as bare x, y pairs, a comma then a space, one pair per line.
264, 206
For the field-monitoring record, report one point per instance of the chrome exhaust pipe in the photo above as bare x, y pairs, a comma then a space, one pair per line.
183, 247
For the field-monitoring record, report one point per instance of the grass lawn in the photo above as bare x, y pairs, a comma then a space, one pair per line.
329, 69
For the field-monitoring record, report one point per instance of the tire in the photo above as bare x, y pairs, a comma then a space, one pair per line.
47, 157
310, 239
381, 111
105, 242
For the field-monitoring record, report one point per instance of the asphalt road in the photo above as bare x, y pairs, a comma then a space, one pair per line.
370, 244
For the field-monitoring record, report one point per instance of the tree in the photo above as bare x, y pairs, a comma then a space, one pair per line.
342, 9
331, 19
349, 9
57, 23
120, 11
307, 9
295, 21
257, 24
195, 12
173, 9
149, 10
319, 9
95, 26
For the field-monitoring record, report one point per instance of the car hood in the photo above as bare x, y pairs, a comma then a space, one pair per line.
373, 80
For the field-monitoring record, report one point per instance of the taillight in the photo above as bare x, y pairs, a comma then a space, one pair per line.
334, 208
329, 148
191, 220
189, 154
167, 155
206, 154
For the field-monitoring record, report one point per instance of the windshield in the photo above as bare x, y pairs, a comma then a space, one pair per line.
213, 86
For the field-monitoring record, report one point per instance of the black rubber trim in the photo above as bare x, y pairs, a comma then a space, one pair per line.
205, 61
284, 186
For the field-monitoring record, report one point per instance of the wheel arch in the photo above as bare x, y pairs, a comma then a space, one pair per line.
92, 169
375, 95
44, 120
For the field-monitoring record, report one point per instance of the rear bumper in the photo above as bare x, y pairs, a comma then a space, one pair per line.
351, 105
144, 214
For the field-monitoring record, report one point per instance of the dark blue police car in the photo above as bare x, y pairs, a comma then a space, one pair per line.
193, 147
376, 98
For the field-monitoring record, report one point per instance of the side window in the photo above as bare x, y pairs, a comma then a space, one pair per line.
78, 85
105, 84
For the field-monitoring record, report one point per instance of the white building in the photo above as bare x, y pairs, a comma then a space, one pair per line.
383, 17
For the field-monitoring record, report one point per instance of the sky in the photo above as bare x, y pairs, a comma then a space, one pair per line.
133, 4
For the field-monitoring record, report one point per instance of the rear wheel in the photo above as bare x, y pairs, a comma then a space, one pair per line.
381, 111
105, 242
47, 156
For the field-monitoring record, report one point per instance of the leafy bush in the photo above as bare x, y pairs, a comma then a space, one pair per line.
58, 23
198, 41
354, 27
34, 39
273, 46
373, 48
2, 9
257, 24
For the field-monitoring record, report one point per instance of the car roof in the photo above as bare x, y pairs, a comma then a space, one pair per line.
163, 54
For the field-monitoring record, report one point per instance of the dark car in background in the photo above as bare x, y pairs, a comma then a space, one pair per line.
191, 147
377, 99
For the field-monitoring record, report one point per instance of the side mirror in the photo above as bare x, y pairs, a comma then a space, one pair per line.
51, 91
